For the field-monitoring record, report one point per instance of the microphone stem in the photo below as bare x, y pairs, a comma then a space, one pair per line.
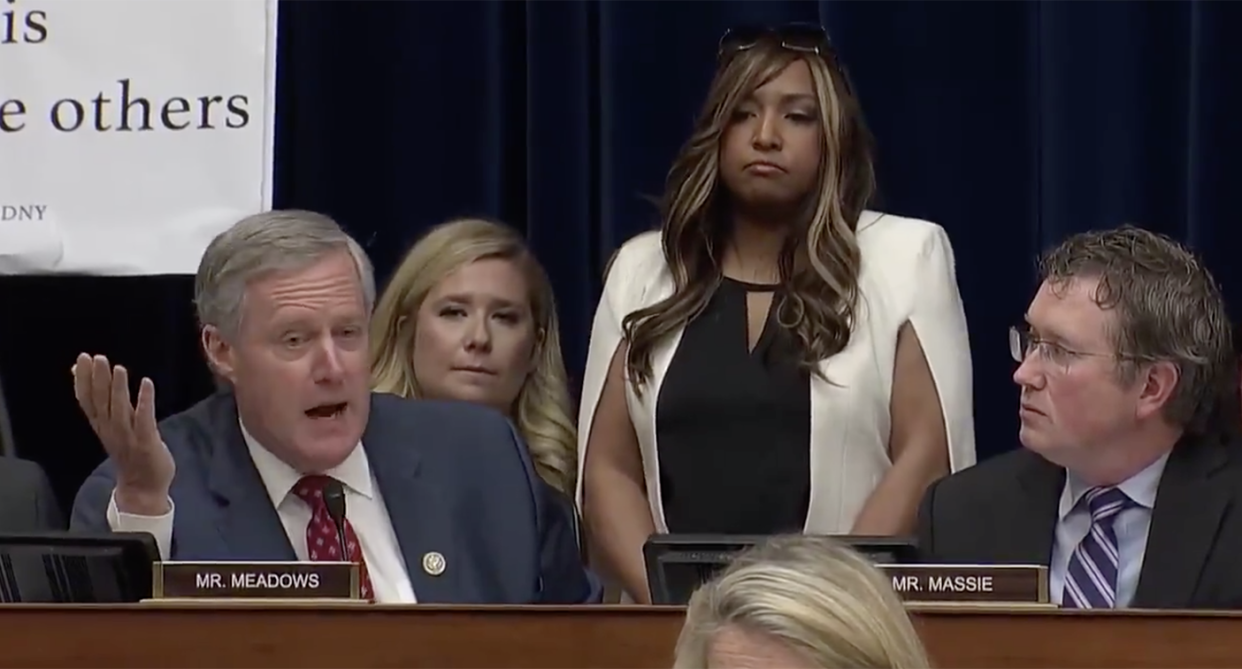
340, 535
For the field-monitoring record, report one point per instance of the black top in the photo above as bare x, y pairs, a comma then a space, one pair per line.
733, 426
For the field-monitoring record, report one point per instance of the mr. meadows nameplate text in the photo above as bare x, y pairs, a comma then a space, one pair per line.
256, 580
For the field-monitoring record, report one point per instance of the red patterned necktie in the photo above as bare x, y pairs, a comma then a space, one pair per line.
322, 543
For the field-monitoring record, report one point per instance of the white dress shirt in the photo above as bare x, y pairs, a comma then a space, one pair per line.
1131, 525
364, 506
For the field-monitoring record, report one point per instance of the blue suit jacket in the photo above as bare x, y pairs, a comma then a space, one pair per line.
455, 478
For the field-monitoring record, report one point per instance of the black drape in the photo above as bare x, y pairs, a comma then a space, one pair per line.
1010, 123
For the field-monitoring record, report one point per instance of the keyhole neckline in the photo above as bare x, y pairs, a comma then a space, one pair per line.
751, 287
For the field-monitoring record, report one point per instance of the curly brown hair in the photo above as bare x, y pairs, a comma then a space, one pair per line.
1167, 308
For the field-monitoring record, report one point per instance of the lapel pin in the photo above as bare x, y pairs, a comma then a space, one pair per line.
433, 563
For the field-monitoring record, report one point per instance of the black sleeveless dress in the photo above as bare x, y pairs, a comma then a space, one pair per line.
733, 426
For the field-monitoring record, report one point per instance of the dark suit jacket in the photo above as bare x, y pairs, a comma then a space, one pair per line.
454, 476
27, 502
1004, 511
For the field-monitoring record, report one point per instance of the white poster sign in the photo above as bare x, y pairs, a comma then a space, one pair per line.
131, 131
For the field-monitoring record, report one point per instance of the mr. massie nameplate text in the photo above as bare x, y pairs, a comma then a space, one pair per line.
1009, 584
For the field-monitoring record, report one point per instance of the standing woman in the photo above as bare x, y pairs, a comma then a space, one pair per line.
776, 358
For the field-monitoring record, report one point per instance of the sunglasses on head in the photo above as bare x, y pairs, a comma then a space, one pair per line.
802, 37
799, 37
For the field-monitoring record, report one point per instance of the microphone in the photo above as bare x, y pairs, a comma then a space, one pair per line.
334, 498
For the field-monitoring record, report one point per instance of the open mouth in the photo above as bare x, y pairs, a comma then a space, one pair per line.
327, 411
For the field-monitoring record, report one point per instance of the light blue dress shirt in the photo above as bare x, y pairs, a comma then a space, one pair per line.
1074, 522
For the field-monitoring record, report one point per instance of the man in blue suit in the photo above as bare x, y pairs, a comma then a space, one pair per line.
442, 502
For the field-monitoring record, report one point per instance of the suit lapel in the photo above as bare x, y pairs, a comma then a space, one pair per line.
414, 505
1190, 503
1029, 537
249, 527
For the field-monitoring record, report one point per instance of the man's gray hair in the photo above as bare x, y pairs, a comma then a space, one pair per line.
257, 246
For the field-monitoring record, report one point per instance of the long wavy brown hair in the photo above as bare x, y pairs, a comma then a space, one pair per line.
819, 263
543, 408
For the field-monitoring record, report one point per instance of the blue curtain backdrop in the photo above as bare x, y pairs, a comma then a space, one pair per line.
1010, 123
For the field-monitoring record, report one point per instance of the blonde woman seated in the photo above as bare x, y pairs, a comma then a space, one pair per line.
469, 315
799, 602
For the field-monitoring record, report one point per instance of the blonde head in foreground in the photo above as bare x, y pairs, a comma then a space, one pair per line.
799, 602
469, 315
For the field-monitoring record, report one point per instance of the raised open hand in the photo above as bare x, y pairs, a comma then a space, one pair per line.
144, 467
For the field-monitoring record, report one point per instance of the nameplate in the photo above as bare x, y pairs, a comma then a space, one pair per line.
256, 580
1001, 584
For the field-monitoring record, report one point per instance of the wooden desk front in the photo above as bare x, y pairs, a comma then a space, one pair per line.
585, 637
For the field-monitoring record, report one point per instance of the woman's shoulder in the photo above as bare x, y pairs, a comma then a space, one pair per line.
902, 254
635, 267
894, 238
640, 250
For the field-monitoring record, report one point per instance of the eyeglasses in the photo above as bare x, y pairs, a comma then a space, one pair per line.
1022, 343
799, 37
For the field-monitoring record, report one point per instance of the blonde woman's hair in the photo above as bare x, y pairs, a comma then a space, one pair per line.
819, 263
542, 409
822, 599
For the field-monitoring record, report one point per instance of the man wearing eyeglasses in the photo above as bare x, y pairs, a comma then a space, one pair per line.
1125, 488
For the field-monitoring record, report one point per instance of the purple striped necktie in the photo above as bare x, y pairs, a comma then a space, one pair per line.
1091, 582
